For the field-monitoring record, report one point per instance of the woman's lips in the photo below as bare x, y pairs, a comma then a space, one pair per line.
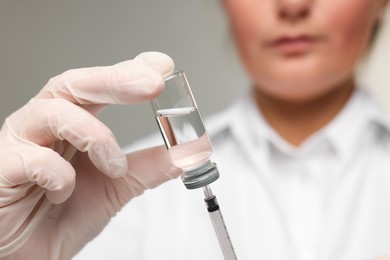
290, 45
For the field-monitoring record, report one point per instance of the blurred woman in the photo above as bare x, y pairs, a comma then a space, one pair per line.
303, 156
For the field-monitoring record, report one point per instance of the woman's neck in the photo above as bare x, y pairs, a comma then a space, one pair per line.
296, 121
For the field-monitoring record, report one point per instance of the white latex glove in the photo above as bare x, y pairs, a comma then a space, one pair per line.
49, 207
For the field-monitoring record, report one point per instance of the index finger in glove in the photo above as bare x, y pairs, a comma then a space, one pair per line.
128, 82
43, 122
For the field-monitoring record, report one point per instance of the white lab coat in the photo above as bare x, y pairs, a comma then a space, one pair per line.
328, 199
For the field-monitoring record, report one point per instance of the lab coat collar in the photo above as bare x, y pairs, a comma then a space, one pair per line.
344, 133
356, 122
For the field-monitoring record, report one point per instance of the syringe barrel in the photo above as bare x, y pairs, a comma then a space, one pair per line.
220, 228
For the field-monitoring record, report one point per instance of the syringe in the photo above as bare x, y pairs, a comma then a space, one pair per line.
219, 224
189, 147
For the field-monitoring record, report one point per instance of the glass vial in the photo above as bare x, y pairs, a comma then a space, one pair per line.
184, 133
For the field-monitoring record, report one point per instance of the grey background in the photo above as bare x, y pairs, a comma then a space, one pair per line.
42, 38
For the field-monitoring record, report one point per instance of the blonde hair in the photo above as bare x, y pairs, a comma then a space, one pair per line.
372, 73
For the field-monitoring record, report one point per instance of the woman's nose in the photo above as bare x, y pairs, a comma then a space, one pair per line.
294, 10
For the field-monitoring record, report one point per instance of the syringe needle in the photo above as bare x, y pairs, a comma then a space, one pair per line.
219, 224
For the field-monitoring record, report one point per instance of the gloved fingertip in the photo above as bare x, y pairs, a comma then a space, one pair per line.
109, 159
118, 167
59, 195
158, 61
173, 172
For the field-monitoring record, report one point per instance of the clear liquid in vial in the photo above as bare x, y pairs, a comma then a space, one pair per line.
184, 136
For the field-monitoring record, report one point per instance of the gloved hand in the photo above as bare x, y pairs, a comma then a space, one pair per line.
49, 207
